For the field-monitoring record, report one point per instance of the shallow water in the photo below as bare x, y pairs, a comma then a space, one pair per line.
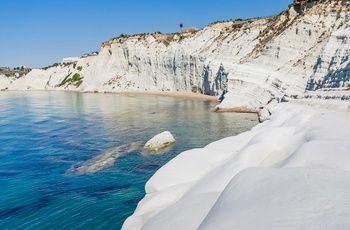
44, 136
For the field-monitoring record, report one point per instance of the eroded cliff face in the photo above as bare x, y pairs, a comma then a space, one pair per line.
246, 63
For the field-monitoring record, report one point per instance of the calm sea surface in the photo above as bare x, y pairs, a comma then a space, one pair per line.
44, 136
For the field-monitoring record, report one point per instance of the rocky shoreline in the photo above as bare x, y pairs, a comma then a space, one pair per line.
295, 161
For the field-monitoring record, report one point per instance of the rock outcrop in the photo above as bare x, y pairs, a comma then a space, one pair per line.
302, 52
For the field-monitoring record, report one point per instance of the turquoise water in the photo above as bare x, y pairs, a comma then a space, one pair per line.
44, 136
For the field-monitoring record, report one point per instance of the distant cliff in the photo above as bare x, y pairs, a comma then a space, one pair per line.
302, 52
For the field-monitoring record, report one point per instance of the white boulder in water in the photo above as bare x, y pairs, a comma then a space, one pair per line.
160, 141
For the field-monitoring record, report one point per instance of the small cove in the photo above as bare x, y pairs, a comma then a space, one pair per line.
44, 134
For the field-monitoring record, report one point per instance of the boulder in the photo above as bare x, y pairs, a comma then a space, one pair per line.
160, 141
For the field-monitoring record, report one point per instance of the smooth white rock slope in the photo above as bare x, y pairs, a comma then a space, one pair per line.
291, 172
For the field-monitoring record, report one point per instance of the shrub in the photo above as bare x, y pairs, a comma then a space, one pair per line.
76, 77
53, 65
75, 80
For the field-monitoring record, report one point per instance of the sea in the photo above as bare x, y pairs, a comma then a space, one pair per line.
46, 135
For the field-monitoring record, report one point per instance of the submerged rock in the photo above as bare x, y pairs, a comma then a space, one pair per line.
160, 141
107, 159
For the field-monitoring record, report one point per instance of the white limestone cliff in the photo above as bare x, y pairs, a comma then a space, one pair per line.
4, 82
290, 172
294, 54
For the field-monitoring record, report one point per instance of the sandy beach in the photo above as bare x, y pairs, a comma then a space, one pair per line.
196, 96
236, 110
178, 94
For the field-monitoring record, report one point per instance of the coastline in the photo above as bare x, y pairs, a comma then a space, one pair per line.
302, 144
198, 96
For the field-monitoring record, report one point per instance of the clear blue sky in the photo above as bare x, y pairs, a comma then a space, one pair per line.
37, 33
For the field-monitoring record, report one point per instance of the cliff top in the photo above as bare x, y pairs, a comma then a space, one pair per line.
295, 9
17, 72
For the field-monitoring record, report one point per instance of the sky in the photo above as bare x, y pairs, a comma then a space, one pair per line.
38, 33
